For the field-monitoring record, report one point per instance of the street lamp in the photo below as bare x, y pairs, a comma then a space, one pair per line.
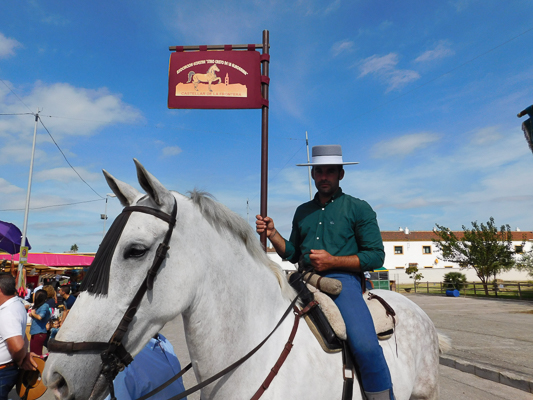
104, 216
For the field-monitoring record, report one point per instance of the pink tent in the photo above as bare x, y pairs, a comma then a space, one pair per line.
53, 259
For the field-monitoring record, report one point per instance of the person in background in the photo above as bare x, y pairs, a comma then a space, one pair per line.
68, 301
152, 367
13, 341
52, 297
29, 291
40, 314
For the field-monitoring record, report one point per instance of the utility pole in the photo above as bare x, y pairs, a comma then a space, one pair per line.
27, 209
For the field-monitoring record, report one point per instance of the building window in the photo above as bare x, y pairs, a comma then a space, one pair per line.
426, 249
398, 249
400, 267
448, 266
519, 249
429, 266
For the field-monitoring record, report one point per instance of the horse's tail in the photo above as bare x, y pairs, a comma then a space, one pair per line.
445, 343
190, 76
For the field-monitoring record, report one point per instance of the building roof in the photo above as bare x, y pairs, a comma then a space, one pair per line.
426, 236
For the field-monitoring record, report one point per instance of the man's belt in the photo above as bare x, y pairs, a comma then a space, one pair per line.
7, 365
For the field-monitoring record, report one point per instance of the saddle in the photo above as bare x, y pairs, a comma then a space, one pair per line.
324, 318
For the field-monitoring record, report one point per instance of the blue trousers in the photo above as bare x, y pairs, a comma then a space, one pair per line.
8, 379
367, 352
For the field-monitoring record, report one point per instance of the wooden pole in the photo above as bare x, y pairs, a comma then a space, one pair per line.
264, 137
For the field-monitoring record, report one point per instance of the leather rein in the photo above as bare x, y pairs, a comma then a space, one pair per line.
114, 355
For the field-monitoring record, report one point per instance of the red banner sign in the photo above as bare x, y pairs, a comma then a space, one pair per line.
215, 79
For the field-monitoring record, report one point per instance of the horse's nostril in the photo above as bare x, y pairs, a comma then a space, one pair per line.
59, 385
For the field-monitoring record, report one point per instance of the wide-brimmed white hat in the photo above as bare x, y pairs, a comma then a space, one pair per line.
330, 154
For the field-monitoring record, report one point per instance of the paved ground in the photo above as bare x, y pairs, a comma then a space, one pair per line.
491, 338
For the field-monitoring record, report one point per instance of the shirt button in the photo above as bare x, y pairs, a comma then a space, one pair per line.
317, 238
320, 223
322, 209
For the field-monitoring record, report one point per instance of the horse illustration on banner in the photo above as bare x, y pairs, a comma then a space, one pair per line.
209, 78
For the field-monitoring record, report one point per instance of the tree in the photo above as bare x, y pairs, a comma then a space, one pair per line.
455, 280
485, 248
412, 271
74, 248
525, 263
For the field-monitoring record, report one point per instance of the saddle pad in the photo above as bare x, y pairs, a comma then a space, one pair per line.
383, 322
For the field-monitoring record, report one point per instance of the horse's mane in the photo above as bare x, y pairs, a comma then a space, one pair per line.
222, 217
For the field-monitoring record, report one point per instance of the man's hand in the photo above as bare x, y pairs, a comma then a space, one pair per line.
321, 260
263, 224
28, 363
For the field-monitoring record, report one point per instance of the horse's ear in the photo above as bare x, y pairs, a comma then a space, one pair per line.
125, 193
160, 194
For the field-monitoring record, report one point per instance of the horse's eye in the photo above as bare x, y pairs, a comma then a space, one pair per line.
134, 252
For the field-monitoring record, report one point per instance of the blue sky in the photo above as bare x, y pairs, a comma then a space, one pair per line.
423, 94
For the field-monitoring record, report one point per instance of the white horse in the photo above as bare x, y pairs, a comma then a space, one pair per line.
230, 295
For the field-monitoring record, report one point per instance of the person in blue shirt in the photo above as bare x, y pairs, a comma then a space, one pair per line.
338, 236
152, 367
40, 314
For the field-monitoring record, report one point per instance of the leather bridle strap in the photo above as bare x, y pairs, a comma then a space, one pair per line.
114, 355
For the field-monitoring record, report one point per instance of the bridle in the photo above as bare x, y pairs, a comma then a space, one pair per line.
114, 355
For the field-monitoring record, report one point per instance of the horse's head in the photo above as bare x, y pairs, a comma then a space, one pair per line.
214, 68
119, 270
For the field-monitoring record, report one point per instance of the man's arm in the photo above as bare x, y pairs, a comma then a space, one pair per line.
263, 224
321, 260
18, 348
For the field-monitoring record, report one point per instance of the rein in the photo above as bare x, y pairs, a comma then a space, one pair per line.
114, 355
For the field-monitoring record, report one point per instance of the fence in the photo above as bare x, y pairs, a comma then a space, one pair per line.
520, 290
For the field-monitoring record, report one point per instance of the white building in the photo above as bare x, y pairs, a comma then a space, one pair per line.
404, 247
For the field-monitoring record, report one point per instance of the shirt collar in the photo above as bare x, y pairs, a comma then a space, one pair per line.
335, 196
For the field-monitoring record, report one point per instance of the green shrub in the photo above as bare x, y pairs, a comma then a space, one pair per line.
455, 280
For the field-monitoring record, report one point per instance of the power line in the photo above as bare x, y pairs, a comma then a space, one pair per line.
16, 95
53, 205
66, 159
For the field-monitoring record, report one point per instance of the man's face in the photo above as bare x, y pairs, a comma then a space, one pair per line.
61, 293
327, 178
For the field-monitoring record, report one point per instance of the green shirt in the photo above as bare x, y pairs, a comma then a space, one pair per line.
345, 226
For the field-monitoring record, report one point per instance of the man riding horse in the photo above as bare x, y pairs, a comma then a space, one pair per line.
340, 238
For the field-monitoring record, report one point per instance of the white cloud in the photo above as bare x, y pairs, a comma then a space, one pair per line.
171, 151
8, 46
385, 69
441, 50
341, 47
7, 188
76, 111
404, 145
333, 6
65, 175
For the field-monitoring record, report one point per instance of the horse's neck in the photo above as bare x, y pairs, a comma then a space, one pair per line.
235, 309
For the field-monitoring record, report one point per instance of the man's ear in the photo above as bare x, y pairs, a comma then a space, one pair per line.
313, 173
341, 174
